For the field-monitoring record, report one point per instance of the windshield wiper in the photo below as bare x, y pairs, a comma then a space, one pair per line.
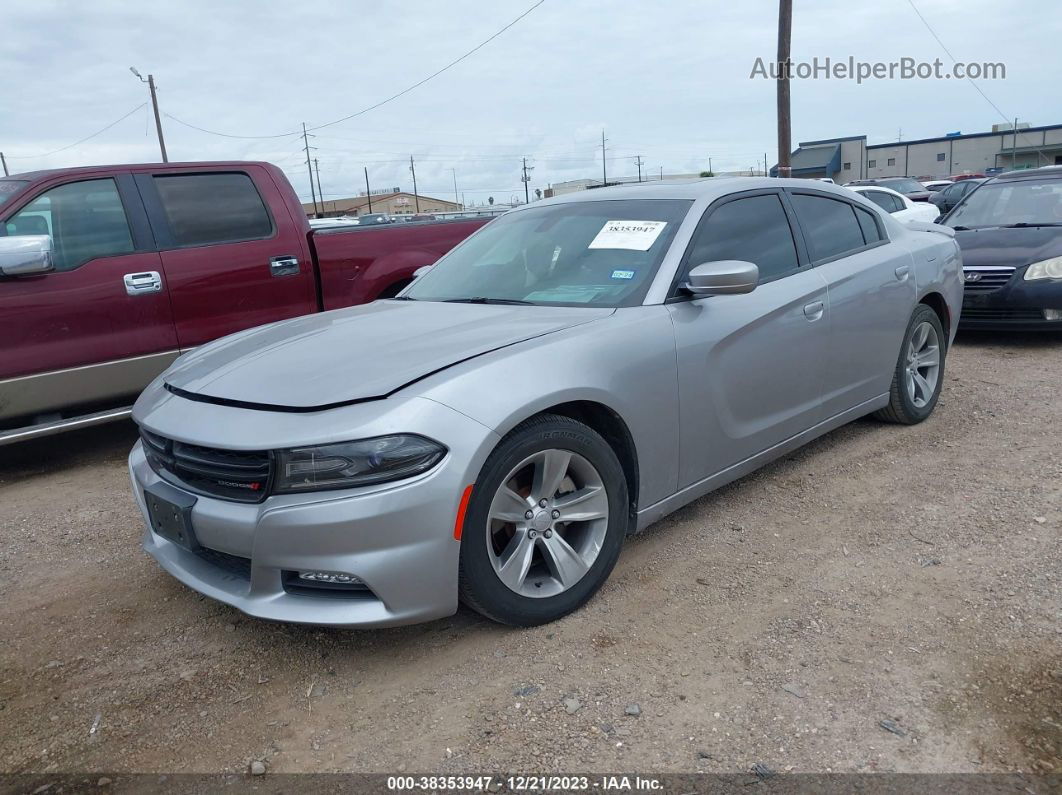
479, 299
1026, 224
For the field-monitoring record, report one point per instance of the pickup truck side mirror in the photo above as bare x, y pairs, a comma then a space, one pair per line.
26, 255
723, 277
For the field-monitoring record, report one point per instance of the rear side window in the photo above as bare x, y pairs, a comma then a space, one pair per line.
213, 208
885, 201
830, 225
754, 229
869, 225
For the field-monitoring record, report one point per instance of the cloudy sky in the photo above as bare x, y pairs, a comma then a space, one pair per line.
669, 81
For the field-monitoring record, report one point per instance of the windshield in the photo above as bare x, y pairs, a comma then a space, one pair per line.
596, 253
9, 187
904, 185
1025, 202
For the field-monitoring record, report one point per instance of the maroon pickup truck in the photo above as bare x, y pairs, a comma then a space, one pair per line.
107, 274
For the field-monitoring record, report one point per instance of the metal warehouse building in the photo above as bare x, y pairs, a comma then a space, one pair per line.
1003, 149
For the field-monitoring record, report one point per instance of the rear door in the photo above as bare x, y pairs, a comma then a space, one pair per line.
231, 252
99, 326
872, 293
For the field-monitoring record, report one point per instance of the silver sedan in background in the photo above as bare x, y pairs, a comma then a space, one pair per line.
574, 371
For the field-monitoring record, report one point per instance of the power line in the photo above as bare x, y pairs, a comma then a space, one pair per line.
77, 143
381, 103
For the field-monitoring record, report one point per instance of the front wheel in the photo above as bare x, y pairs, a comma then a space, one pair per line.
919, 373
545, 524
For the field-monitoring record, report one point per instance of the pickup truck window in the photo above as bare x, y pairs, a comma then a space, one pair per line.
9, 187
85, 219
203, 209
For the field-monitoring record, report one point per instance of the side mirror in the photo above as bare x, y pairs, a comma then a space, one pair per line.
421, 271
936, 198
26, 255
724, 277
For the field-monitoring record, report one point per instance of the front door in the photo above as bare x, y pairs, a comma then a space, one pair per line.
233, 255
749, 366
98, 327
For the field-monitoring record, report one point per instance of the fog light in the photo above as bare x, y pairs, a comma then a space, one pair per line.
1053, 314
332, 577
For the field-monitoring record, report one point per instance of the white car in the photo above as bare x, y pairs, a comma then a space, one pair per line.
330, 223
937, 184
897, 205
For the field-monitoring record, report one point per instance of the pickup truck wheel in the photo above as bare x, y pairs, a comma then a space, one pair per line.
545, 523
919, 373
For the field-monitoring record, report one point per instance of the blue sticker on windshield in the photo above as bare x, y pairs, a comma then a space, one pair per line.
622, 274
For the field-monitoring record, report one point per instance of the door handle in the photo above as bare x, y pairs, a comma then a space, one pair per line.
142, 283
814, 310
286, 265
903, 272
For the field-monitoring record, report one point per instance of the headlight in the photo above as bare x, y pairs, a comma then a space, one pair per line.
1045, 269
347, 464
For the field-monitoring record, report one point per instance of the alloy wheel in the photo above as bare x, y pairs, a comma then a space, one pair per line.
547, 523
923, 364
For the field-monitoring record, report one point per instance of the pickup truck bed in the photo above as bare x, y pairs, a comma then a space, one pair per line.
148, 261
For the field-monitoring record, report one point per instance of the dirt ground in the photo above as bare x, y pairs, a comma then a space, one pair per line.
886, 599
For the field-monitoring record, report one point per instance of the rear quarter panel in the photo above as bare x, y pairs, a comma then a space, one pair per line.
356, 265
937, 262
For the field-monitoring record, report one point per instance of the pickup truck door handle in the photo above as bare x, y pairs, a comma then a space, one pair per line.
286, 265
814, 310
142, 283
903, 272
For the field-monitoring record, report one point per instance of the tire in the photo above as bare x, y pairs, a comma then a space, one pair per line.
505, 530
913, 394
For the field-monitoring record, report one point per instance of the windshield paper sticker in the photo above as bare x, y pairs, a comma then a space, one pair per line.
631, 235
622, 274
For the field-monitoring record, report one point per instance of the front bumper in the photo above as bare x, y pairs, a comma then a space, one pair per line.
1017, 305
398, 538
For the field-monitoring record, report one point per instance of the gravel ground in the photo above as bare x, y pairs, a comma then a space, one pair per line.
886, 599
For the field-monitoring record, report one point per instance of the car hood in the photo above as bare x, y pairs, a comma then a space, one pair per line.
362, 353
1015, 247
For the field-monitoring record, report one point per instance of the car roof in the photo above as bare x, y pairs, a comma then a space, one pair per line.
211, 165
1050, 172
709, 188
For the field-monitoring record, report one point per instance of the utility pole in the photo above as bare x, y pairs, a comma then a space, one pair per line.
413, 171
4, 161
710, 171
765, 164
457, 199
661, 173
155, 106
320, 192
526, 179
368, 193
638, 162
309, 167
1014, 147
785, 40
604, 174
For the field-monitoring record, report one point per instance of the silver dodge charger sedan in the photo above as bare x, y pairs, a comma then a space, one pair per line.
572, 372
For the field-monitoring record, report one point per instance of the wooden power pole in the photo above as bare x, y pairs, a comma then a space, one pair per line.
785, 38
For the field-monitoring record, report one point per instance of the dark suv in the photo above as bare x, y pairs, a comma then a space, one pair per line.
911, 188
1010, 232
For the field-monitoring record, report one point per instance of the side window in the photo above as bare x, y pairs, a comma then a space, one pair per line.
869, 225
754, 229
830, 225
85, 219
882, 199
203, 209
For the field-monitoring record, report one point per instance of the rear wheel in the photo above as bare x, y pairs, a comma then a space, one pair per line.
545, 524
919, 373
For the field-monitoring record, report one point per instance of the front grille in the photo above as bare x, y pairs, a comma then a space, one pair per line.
233, 564
240, 475
981, 313
985, 280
